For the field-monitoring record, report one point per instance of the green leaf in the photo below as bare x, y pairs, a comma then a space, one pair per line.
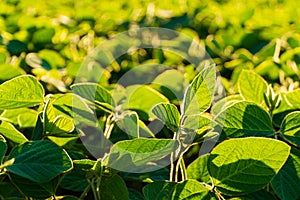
142, 98
224, 103
128, 123
257, 195
135, 195
8, 71
158, 175
198, 169
3, 148
74, 180
168, 114
134, 155
11, 133
33, 189
9, 191
22, 91
293, 98
171, 83
23, 117
189, 189
252, 87
286, 182
290, 128
94, 93
70, 106
245, 119
60, 124
159, 190
39, 161
199, 94
113, 188
243, 165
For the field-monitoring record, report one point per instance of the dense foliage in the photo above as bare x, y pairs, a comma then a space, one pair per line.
45, 113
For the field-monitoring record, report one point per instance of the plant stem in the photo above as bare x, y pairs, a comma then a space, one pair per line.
109, 125
85, 192
182, 168
172, 166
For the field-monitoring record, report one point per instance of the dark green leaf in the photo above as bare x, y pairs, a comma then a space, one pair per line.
286, 182
290, 128
189, 189
113, 188
39, 161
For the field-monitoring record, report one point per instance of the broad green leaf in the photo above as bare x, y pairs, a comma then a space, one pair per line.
94, 93
225, 102
64, 139
8, 71
24, 117
159, 190
290, 102
9, 191
22, 91
257, 195
158, 175
293, 98
286, 182
74, 180
252, 87
3, 148
243, 165
60, 124
70, 106
290, 128
142, 99
198, 169
245, 119
113, 188
128, 123
168, 114
137, 155
39, 161
199, 123
11, 133
189, 189
171, 83
33, 189
199, 94
135, 195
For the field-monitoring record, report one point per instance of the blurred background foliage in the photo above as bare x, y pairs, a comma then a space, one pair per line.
50, 39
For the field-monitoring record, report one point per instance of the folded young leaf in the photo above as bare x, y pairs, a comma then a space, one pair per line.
199, 94
168, 114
